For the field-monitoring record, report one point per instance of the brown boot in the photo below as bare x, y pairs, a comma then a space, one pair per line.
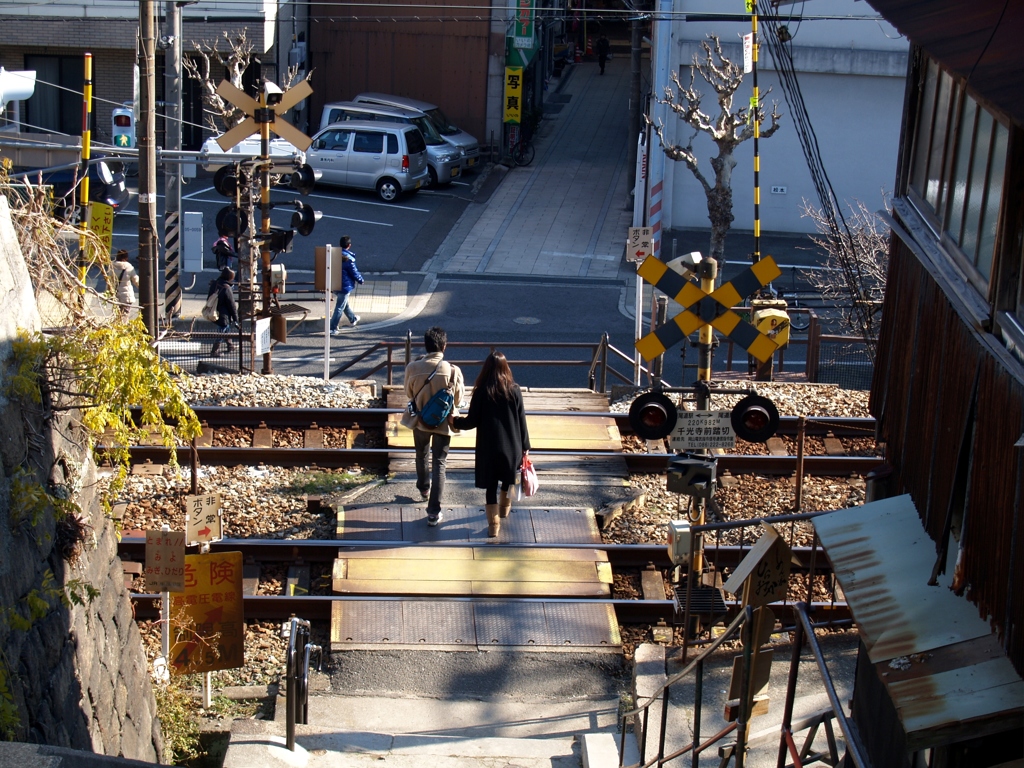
504, 504
493, 520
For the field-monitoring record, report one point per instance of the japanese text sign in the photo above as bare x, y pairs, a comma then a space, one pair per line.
702, 430
101, 223
263, 337
523, 37
640, 244
165, 561
767, 568
203, 521
209, 623
513, 95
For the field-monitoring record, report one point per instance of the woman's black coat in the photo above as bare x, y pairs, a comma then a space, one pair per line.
501, 436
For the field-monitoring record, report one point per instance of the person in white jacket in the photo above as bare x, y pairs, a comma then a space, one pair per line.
127, 282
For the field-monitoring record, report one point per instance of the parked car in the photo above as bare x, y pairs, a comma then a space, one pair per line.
444, 161
390, 158
451, 133
249, 147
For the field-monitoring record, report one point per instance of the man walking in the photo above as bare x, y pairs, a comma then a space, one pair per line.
350, 277
423, 378
603, 48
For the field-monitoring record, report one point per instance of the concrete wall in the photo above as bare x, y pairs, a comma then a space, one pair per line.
852, 74
79, 676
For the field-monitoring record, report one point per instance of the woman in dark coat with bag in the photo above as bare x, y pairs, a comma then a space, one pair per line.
496, 413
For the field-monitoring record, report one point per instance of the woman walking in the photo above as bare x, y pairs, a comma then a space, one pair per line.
496, 412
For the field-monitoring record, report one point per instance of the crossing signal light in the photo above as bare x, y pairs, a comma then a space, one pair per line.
280, 240
232, 221
652, 416
225, 181
755, 418
304, 218
303, 178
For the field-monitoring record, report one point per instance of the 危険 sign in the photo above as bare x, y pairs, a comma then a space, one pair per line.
208, 620
165, 561
640, 244
702, 430
203, 521
513, 94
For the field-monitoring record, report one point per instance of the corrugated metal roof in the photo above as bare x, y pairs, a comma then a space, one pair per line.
937, 658
979, 40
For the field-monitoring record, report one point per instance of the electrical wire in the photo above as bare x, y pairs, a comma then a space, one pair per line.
839, 232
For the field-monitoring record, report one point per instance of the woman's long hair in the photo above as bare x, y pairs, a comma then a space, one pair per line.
495, 378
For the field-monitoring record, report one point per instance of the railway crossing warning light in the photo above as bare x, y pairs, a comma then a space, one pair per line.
232, 219
755, 418
652, 415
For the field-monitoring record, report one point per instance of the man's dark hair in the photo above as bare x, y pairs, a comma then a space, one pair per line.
435, 339
346, 241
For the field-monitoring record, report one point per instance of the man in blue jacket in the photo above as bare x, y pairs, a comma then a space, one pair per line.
350, 277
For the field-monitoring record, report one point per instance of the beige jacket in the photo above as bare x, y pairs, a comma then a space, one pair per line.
416, 374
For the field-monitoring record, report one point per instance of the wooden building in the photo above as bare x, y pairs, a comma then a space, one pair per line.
948, 389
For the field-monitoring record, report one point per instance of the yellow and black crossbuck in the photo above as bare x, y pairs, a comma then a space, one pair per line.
714, 309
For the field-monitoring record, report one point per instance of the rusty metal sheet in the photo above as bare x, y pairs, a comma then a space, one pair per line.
579, 624
564, 525
370, 523
438, 623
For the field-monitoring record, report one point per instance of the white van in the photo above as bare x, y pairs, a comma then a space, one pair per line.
451, 133
389, 158
444, 161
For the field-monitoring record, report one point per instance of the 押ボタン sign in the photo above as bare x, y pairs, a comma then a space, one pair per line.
702, 430
165, 561
203, 520
208, 619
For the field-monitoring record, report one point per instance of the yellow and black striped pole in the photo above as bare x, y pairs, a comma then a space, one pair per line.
264, 121
754, 103
83, 220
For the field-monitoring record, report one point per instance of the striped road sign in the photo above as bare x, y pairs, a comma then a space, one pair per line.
714, 309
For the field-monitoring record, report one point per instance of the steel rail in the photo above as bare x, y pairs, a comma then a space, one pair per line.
321, 551
379, 458
302, 418
318, 608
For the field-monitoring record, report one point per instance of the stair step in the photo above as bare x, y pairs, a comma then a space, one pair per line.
259, 744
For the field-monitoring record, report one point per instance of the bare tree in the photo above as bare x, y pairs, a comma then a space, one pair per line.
728, 129
856, 261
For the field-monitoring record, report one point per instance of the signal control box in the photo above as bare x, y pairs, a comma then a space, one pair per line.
678, 541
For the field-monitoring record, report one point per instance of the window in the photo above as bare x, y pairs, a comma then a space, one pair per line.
392, 144
414, 140
958, 164
56, 105
372, 143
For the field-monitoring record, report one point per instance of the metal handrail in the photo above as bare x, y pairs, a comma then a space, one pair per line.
741, 622
297, 677
804, 630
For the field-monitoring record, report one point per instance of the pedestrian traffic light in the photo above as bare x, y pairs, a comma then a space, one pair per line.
123, 127
755, 418
652, 415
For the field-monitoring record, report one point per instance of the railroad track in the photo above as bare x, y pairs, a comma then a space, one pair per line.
378, 458
318, 607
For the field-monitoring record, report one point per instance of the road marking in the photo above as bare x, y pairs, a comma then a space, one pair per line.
392, 206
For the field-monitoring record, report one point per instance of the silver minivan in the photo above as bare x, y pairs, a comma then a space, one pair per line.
469, 146
444, 161
389, 158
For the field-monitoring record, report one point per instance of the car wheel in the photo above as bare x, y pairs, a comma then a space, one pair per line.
433, 177
388, 190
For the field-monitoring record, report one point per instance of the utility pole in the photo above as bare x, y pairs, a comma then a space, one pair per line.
148, 248
172, 174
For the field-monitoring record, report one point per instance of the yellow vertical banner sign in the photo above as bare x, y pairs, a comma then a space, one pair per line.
101, 224
513, 95
208, 620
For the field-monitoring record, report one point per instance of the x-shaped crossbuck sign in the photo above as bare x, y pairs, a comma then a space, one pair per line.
278, 124
714, 309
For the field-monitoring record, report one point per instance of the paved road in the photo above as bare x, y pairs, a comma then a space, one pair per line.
505, 255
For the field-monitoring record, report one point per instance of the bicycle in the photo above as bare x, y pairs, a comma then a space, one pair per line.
522, 152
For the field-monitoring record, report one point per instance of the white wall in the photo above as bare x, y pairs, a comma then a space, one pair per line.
852, 75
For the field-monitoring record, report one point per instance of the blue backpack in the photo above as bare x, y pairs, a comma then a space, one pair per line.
438, 408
